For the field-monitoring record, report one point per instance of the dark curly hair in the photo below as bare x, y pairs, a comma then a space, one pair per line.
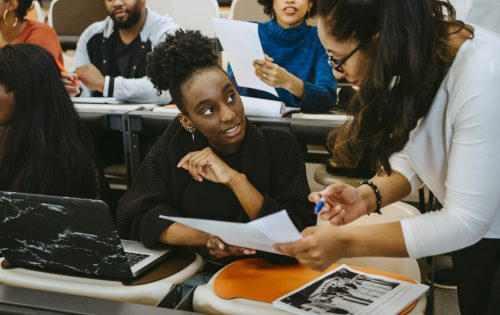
410, 57
173, 62
268, 7
23, 8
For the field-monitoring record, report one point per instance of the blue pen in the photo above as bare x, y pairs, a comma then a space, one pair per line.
319, 205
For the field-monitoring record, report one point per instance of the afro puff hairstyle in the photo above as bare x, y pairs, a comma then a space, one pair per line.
268, 7
174, 61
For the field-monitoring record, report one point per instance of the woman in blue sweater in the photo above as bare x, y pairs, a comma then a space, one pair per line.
296, 62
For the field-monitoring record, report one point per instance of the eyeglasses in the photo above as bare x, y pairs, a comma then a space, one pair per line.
337, 63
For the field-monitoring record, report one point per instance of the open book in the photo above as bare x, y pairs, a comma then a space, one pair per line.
347, 291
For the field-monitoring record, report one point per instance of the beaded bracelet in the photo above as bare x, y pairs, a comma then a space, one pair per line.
378, 196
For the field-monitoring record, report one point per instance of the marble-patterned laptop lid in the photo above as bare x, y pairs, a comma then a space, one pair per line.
61, 234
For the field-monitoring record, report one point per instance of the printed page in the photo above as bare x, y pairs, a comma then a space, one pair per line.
241, 43
347, 291
260, 234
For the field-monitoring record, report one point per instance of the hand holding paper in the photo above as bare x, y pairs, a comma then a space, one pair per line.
259, 234
242, 46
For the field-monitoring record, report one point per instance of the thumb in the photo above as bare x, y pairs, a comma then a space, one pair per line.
334, 190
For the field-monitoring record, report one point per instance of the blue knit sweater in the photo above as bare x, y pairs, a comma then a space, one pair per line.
300, 52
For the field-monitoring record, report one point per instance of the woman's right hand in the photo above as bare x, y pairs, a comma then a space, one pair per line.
71, 84
217, 248
205, 164
343, 203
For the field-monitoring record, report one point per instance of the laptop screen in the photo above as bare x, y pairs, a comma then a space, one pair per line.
61, 234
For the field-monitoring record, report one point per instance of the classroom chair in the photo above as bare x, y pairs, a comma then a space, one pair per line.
70, 18
206, 301
189, 14
150, 289
251, 10
247, 10
35, 13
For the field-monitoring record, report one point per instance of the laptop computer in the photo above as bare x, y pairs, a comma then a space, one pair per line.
69, 235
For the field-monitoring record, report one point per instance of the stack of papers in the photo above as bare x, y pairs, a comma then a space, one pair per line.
348, 291
95, 100
253, 107
167, 109
107, 103
260, 234
262, 107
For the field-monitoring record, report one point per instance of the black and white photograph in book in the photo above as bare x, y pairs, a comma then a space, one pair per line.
342, 292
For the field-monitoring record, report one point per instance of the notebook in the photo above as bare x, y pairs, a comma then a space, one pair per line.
69, 235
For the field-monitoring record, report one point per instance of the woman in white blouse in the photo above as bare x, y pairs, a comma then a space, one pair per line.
428, 108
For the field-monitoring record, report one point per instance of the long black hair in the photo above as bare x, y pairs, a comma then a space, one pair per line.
47, 149
406, 41
174, 61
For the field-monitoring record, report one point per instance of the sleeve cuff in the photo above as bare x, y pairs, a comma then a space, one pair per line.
409, 238
399, 162
152, 225
109, 86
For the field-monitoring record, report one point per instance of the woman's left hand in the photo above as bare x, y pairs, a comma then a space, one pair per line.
219, 249
272, 74
205, 164
319, 248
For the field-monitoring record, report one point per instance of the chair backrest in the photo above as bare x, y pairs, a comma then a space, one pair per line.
391, 213
189, 14
251, 10
247, 10
36, 13
71, 17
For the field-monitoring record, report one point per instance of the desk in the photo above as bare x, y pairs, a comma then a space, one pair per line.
148, 293
109, 130
27, 301
305, 130
206, 301
102, 119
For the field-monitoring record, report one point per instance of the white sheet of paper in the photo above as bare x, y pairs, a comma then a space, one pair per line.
262, 107
259, 234
241, 43
127, 107
163, 109
95, 100
335, 117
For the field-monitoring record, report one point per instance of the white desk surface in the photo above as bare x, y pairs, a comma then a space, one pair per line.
103, 103
206, 301
336, 117
150, 293
120, 107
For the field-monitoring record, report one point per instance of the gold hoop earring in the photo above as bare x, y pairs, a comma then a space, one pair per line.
5, 19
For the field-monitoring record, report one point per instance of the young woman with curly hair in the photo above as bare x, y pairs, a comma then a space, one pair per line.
428, 109
295, 62
211, 162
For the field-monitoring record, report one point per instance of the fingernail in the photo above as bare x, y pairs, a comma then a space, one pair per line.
221, 246
246, 252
